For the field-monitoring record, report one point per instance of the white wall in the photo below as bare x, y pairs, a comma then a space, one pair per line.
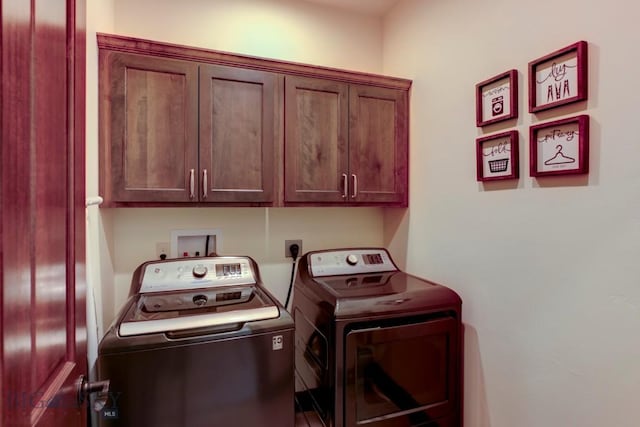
281, 29
256, 232
291, 30
547, 269
99, 267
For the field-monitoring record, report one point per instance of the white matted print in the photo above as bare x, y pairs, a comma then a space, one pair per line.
559, 78
497, 98
497, 156
560, 147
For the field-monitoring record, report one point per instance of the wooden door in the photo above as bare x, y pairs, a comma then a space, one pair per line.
42, 213
316, 162
378, 145
237, 120
150, 112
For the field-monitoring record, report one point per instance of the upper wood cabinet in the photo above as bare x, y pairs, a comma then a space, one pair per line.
378, 145
344, 143
183, 125
179, 131
316, 140
151, 111
237, 119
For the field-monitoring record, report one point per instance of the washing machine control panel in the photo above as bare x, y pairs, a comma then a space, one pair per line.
349, 261
193, 273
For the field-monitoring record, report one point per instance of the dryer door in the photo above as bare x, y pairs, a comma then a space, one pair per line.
401, 375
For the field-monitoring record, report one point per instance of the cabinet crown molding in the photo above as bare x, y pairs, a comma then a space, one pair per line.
176, 51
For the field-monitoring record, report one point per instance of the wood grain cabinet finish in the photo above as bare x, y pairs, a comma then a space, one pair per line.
344, 143
180, 131
152, 126
182, 125
316, 140
237, 119
378, 145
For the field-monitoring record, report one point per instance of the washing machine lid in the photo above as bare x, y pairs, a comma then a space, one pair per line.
196, 309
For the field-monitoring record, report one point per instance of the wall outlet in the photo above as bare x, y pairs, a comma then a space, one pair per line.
287, 245
162, 248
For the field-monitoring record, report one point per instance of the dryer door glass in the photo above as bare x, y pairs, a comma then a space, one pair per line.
402, 371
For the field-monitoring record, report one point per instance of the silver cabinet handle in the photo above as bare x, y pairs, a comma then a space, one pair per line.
344, 185
205, 183
192, 183
355, 186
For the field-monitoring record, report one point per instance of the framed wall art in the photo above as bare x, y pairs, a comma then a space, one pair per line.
560, 147
558, 78
497, 156
497, 99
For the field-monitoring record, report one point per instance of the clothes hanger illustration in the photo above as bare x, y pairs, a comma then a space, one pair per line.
559, 158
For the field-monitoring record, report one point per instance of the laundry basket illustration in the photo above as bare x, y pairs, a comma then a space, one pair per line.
498, 165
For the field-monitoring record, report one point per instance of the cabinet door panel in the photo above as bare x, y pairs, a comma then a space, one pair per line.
154, 128
237, 118
378, 145
316, 114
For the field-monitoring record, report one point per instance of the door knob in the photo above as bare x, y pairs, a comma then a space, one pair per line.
86, 388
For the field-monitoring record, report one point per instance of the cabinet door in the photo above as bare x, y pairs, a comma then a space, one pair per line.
152, 106
237, 116
316, 113
378, 145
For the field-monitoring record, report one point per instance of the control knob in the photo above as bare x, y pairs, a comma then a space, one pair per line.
200, 300
352, 259
199, 271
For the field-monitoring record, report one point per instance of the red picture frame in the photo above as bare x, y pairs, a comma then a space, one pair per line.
560, 147
497, 99
497, 156
559, 78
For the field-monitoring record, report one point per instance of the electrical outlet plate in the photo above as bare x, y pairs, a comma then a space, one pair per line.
162, 248
287, 245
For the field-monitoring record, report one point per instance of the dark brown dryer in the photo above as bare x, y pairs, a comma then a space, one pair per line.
375, 346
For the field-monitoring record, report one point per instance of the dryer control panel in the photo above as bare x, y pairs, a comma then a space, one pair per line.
194, 273
338, 262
